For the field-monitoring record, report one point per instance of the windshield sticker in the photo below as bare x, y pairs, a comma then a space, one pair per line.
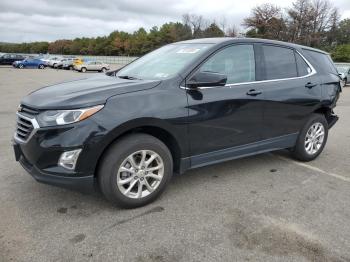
161, 75
188, 51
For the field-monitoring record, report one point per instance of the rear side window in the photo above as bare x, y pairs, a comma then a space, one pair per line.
279, 62
321, 61
236, 62
303, 68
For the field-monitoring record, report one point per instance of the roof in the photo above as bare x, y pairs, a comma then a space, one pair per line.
221, 40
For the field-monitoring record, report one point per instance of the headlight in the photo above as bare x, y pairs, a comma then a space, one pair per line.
64, 117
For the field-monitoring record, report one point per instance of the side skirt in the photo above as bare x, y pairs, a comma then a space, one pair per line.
255, 148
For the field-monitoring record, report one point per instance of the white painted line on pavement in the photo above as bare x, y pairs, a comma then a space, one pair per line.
346, 179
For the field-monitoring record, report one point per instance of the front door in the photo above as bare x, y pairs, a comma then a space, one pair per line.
222, 118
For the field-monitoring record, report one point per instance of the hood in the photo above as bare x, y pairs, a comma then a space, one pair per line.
84, 92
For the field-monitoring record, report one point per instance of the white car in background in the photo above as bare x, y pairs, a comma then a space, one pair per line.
52, 62
92, 66
59, 64
344, 73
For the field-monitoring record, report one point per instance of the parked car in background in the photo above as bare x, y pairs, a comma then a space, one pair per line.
53, 61
79, 61
60, 63
68, 65
30, 63
8, 59
43, 57
344, 72
183, 106
92, 66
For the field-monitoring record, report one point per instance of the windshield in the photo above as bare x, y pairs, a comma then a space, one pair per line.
164, 62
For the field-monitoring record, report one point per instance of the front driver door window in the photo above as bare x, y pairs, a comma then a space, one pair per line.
236, 62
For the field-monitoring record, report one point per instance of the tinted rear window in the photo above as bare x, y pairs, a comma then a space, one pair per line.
321, 61
279, 62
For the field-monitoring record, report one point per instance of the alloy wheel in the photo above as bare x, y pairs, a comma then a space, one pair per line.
140, 174
314, 138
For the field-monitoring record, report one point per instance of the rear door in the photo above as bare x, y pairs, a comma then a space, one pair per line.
291, 89
98, 66
225, 117
6, 59
32, 63
92, 66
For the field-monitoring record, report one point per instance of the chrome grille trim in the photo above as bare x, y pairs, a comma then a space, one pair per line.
25, 128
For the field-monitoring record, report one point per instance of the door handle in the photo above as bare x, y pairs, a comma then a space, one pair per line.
310, 85
253, 92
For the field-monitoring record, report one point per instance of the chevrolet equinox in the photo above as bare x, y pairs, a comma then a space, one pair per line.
185, 105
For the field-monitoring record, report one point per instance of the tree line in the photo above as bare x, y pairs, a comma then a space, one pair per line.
313, 23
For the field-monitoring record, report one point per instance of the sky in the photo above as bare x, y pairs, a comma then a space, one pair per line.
49, 20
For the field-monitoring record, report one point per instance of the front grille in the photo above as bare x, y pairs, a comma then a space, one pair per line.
24, 128
25, 120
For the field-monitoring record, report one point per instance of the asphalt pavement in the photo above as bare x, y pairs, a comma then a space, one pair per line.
261, 208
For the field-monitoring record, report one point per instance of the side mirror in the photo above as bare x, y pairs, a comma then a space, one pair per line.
204, 79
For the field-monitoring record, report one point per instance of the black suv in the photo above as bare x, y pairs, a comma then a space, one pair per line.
8, 59
185, 105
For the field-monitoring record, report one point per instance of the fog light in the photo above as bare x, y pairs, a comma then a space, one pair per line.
69, 159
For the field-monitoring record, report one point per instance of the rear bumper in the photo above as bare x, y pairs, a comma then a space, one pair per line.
84, 184
332, 119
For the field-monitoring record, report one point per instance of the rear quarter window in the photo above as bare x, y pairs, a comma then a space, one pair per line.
303, 68
322, 62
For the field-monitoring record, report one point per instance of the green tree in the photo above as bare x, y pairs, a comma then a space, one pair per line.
341, 53
266, 21
343, 32
213, 31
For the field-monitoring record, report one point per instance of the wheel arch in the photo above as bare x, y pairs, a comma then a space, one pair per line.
159, 131
327, 112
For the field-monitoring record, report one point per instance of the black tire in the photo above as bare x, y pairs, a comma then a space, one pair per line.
103, 70
41, 67
70, 68
83, 69
20, 66
299, 152
113, 159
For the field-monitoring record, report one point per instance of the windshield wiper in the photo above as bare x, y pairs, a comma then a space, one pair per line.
129, 77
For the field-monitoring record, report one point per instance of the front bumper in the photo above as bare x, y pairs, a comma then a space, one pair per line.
82, 183
40, 153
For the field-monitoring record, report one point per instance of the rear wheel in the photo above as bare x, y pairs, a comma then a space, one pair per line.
21, 66
83, 69
312, 138
41, 67
70, 67
103, 69
135, 170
